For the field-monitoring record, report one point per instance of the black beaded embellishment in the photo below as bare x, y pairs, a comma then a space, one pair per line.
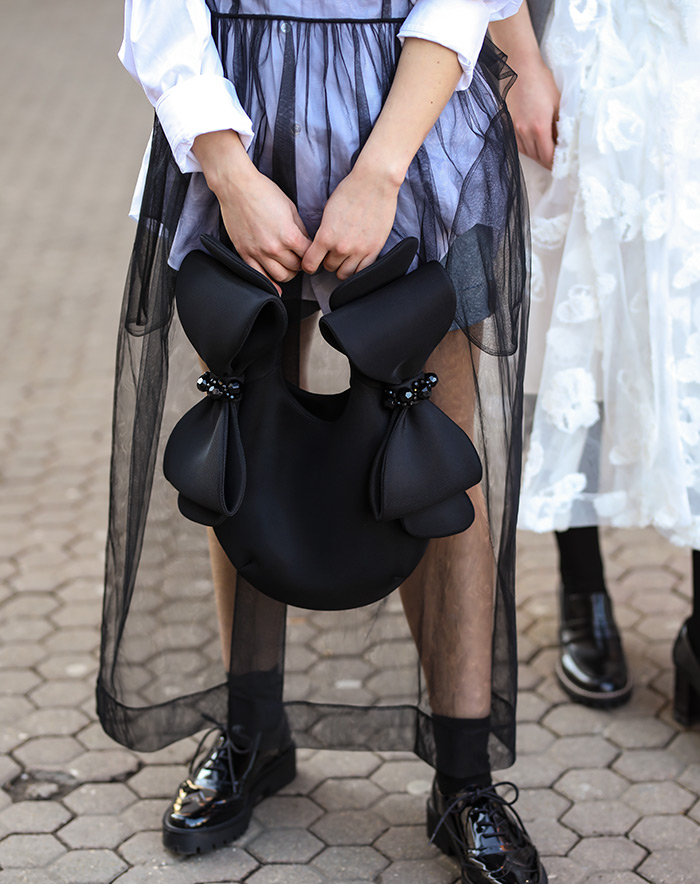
218, 388
414, 392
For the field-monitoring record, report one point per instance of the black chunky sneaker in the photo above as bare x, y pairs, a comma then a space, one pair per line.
214, 804
479, 827
591, 668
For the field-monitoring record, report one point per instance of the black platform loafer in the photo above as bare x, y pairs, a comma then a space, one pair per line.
214, 804
479, 827
591, 667
686, 700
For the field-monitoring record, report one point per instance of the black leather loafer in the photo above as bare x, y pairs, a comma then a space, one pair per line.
214, 804
487, 837
686, 701
591, 667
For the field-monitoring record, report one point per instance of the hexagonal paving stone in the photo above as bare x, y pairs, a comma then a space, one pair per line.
14, 707
29, 851
26, 876
536, 771
18, 681
48, 752
61, 693
95, 767
285, 874
533, 738
327, 764
672, 866
363, 863
401, 809
606, 854
665, 832
53, 722
562, 870
572, 719
224, 864
396, 776
69, 665
353, 793
406, 842
349, 827
659, 797
551, 837
648, 765
530, 706
283, 810
285, 846
88, 867
33, 817
591, 785
417, 872
143, 848
639, 733
146, 814
600, 818
615, 878
100, 798
95, 831
541, 804
584, 751
686, 747
690, 778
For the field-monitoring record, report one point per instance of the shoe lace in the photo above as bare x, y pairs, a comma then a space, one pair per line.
473, 795
236, 742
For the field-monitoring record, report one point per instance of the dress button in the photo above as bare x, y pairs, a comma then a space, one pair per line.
296, 129
284, 27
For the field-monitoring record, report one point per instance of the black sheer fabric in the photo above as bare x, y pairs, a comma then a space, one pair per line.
349, 679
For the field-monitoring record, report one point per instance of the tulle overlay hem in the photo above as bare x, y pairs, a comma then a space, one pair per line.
347, 679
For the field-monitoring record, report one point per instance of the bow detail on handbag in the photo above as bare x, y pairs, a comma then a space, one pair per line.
321, 501
425, 461
231, 328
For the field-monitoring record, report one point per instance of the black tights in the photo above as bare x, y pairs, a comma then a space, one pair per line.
694, 619
580, 562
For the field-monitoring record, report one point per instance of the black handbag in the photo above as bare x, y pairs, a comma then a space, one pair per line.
320, 501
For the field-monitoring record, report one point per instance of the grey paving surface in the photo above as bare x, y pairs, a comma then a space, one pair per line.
612, 798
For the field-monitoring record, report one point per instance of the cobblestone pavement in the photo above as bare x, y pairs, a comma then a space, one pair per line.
610, 798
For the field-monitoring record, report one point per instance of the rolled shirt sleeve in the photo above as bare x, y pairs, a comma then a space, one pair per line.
459, 25
169, 50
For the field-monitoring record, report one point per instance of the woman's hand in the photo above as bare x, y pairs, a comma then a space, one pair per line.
533, 102
261, 220
356, 223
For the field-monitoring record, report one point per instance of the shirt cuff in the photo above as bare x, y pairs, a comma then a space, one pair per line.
205, 103
460, 26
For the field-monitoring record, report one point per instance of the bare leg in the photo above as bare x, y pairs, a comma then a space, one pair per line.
223, 572
448, 599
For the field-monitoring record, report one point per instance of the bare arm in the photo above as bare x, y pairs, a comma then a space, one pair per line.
533, 100
265, 226
261, 220
360, 213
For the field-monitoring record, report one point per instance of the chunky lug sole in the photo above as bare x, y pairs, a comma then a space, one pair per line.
280, 773
595, 699
447, 841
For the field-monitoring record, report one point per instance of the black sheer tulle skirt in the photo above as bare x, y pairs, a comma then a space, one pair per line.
352, 679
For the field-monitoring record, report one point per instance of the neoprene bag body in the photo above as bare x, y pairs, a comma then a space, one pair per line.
320, 501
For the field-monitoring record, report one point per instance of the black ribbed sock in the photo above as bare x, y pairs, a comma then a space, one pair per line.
580, 562
694, 619
461, 750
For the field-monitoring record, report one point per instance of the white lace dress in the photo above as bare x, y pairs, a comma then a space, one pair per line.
614, 346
